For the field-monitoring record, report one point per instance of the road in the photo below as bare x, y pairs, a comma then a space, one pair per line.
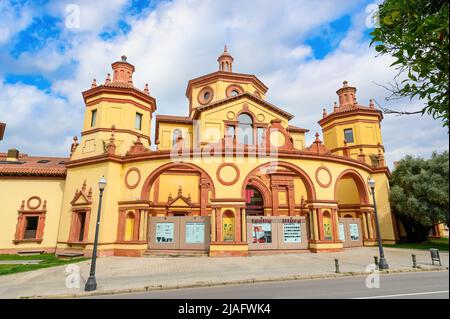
421, 285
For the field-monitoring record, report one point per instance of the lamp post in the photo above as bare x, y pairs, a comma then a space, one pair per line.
91, 283
382, 264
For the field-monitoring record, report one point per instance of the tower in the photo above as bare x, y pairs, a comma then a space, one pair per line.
354, 130
225, 61
115, 108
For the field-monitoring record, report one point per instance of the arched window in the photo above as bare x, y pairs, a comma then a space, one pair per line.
245, 130
176, 133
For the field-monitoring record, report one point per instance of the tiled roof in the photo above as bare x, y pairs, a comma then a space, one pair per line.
292, 128
33, 166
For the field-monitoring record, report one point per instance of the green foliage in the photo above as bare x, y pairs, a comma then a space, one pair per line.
439, 243
415, 33
419, 193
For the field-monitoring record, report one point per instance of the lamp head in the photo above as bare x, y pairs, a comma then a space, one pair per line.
102, 183
371, 183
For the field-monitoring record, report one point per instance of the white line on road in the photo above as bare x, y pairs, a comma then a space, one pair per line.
402, 295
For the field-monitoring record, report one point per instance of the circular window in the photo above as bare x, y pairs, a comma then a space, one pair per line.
205, 95
234, 90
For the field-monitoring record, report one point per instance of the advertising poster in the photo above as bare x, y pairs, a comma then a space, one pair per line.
327, 230
354, 231
341, 232
164, 232
195, 233
262, 233
292, 233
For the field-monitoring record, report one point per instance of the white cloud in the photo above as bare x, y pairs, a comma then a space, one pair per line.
180, 40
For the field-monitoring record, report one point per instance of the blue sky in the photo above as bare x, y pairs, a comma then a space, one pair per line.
302, 50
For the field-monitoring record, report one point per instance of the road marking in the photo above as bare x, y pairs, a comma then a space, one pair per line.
402, 295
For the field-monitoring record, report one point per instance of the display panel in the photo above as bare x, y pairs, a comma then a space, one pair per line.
354, 231
164, 232
292, 233
195, 233
262, 233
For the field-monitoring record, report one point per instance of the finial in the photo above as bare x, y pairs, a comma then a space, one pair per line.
371, 104
225, 48
124, 58
189, 197
146, 89
317, 137
108, 78
83, 188
180, 191
345, 83
169, 198
94, 83
74, 145
324, 112
335, 106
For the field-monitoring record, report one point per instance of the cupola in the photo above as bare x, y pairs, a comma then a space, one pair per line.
225, 61
123, 71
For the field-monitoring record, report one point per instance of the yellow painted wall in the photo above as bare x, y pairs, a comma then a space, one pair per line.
166, 131
12, 192
347, 192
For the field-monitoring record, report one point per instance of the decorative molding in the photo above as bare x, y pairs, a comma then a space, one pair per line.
219, 177
326, 169
138, 172
233, 87
201, 95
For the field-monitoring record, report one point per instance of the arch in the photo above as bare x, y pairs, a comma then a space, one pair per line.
253, 207
245, 132
176, 133
130, 221
145, 192
262, 188
310, 190
348, 216
360, 184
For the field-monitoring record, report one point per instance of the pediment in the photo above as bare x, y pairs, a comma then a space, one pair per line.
82, 197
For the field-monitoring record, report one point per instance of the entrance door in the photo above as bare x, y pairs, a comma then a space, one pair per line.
254, 202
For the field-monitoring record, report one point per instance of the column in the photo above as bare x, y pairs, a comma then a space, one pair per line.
237, 224
311, 224
274, 200
364, 225
291, 199
218, 225
335, 221
244, 225
316, 224
213, 224
320, 224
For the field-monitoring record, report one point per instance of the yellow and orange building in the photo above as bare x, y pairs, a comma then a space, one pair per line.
231, 178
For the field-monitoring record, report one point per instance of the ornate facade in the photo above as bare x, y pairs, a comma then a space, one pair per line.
233, 177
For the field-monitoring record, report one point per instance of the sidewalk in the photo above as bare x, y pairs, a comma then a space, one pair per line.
123, 274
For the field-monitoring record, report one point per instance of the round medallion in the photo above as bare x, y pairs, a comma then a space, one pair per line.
231, 115
228, 174
277, 139
34, 202
132, 178
205, 95
234, 90
260, 117
323, 176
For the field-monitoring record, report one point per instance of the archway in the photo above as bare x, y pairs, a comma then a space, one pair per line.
254, 201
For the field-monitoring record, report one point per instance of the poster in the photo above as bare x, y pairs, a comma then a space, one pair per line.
195, 233
292, 233
341, 232
164, 232
262, 233
354, 231
327, 230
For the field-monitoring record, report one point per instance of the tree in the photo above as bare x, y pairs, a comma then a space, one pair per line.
415, 33
419, 194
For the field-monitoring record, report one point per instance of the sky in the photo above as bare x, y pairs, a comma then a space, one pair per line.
301, 49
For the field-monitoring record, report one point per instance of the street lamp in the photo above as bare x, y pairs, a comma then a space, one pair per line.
91, 284
382, 263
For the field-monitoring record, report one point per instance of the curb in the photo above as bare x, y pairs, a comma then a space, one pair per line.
200, 284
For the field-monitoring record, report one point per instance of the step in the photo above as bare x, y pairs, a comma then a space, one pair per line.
175, 253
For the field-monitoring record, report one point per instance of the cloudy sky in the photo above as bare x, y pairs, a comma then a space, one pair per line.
302, 50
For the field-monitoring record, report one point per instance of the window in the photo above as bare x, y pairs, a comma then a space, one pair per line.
138, 121
81, 223
245, 130
348, 135
93, 117
234, 93
206, 96
43, 161
260, 135
230, 131
31, 227
176, 134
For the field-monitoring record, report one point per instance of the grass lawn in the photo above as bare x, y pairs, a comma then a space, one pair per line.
47, 260
441, 244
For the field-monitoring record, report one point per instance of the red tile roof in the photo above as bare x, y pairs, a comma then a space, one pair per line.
30, 166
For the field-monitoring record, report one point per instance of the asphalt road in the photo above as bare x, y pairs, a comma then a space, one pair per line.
421, 285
